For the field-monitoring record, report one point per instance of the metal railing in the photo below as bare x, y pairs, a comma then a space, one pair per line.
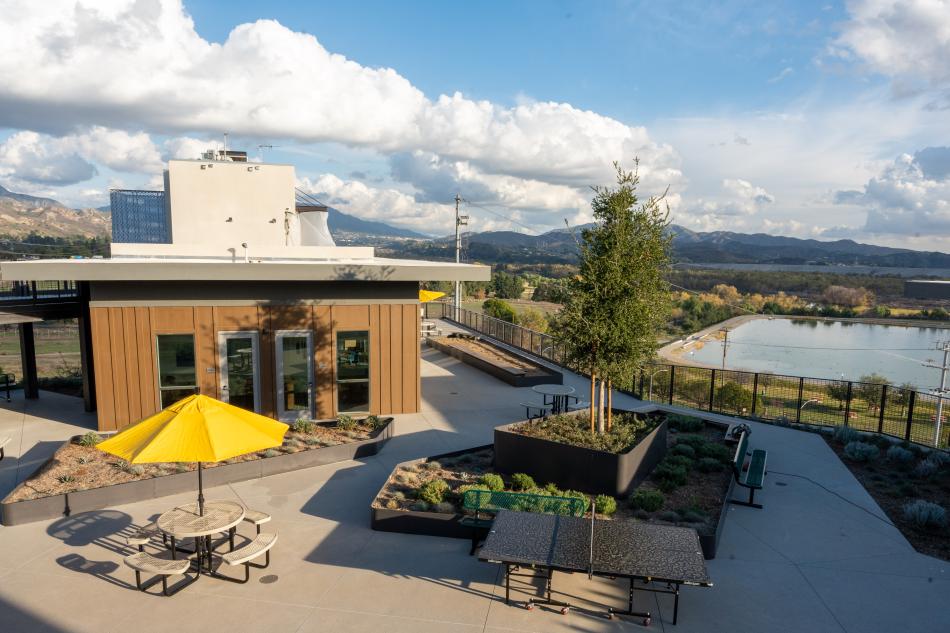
34, 290
886, 409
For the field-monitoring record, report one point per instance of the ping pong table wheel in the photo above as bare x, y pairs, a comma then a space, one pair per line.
565, 610
610, 615
646, 621
529, 606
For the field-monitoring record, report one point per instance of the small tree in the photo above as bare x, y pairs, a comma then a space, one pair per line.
869, 389
619, 301
838, 390
507, 286
499, 309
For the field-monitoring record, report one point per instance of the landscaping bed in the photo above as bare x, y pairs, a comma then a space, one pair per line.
910, 483
424, 496
561, 449
80, 477
482, 354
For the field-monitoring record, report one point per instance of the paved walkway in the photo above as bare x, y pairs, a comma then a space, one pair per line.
818, 558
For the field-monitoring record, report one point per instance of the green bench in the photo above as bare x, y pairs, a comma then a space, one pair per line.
484, 504
755, 475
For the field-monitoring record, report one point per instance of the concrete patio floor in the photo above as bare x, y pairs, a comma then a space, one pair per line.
819, 557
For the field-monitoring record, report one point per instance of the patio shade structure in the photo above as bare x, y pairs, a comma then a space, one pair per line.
429, 295
196, 429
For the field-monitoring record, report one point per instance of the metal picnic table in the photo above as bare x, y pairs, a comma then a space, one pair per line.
644, 553
185, 522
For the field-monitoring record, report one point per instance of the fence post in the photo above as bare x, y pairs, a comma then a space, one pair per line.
910, 414
755, 391
641, 386
847, 404
798, 407
880, 419
672, 376
712, 388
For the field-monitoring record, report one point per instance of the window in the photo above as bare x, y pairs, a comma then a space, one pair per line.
352, 371
177, 377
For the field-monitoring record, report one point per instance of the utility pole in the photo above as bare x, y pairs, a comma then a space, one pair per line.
460, 221
725, 343
942, 390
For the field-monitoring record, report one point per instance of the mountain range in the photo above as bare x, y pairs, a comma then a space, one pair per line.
22, 214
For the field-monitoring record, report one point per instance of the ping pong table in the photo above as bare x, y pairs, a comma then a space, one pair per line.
646, 554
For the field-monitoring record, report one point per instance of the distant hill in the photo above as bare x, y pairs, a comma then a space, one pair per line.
343, 223
717, 247
22, 215
28, 199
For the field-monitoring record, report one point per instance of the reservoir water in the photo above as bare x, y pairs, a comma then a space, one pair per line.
827, 349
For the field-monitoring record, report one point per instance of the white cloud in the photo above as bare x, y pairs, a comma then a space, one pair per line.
124, 63
782, 74
41, 158
910, 196
899, 38
737, 200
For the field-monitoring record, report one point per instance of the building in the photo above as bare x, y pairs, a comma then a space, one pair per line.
228, 283
927, 289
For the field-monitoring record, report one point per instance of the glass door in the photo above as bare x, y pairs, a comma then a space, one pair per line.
240, 369
294, 374
352, 372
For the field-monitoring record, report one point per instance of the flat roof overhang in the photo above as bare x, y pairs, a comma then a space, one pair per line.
146, 269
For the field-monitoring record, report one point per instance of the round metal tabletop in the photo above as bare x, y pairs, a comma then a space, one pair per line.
185, 522
554, 390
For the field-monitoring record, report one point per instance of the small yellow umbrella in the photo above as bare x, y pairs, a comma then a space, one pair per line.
429, 295
195, 429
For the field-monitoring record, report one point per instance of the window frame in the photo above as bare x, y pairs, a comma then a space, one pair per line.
196, 388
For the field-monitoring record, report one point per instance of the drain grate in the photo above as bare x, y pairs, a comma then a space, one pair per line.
268, 579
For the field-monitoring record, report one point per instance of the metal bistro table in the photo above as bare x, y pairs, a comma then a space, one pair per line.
185, 522
558, 393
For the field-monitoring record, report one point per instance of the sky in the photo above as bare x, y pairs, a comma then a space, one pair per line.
824, 120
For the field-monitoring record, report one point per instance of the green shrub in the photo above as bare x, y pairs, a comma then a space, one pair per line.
90, 439
925, 514
680, 460
553, 490
641, 514
605, 504
522, 481
845, 435
345, 422
494, 482
670, 476
938, 457
719, 452
419, 506
183, 468
861, 451
373, 421
899, 455
696, 441
303, 425
647, 500
433, 491
433, 465
574, 494
906, 489
709, 465
692, 516
684, 449
136, 470
669, 515
925, 469
444, 507
65, 479
684, 423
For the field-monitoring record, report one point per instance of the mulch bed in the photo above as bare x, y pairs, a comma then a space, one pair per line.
627, 430
491, 353
75, 467
893, 485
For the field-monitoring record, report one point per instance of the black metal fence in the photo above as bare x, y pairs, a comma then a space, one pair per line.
33, 290
886, 409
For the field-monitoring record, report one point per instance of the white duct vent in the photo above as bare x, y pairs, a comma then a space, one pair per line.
313, 228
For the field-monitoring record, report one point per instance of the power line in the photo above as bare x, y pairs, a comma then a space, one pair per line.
500, 215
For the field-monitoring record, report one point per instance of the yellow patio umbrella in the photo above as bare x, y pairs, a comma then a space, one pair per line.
195, 429
429, 295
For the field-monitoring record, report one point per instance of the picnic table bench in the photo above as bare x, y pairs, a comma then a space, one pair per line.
485, 504
755, 474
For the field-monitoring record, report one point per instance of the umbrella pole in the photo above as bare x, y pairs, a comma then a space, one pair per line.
201, 494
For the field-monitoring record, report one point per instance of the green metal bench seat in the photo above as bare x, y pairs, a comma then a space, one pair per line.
484, 504
755, 474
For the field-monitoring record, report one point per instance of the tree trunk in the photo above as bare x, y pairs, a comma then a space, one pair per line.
593, 383
610, 404
600, 407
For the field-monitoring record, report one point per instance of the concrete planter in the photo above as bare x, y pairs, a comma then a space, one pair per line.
418, 522
576, 467
512, 376
52, 507
710, 542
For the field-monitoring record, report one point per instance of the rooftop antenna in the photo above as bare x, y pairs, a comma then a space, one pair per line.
225, 143
260, 150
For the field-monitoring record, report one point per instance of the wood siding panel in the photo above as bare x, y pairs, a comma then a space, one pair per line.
410, 354
235, 318
385, 354
206, 351
325, 376
375, 364
395, 365
102, 358
133, 368
148, 386
172, 320
267, 363
119, 374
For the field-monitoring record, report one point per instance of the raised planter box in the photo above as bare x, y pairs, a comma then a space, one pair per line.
710, 542
55, 506
419, 522
512, 376
576, 467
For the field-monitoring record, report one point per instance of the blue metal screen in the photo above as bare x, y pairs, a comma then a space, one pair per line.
139, 216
